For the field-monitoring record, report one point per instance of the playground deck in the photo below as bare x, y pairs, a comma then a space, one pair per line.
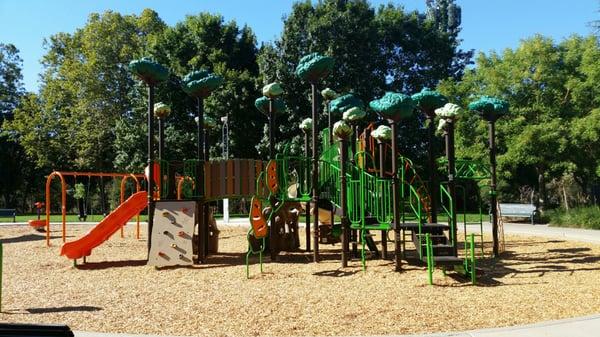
538, 279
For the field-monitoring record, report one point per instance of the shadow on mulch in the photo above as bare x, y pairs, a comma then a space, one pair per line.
62, 309
111, 264
28, 238
336, 273
535, 264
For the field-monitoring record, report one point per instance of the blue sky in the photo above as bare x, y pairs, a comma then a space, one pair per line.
487, 24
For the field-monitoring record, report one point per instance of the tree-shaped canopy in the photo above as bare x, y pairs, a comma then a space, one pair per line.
344, 103
148, 70
201, 83
342, 130
489, 108
306, 125
262, 104
161, 110
393, 106
428, 100
382, 133
314, 67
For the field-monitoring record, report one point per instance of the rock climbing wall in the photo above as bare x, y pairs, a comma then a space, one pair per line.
172, 233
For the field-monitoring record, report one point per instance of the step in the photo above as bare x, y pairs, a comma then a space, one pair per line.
445, 260
377, 227
414, 226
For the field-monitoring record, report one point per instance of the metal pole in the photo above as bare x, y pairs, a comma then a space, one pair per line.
451, 182
315, 172
382, 175
161, 138
432, 167
200, 177
273, 234
206, 210
344, 202
354, 232
493, 197
271, 130
150, 164
396, 200
329, 122
306, 178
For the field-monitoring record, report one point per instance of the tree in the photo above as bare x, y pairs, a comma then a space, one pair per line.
553, 93
85, 88
16, 172
197, 42
375, 50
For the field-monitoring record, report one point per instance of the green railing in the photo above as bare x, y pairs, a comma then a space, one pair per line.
447, 205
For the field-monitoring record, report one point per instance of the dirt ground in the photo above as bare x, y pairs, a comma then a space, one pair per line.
536, 279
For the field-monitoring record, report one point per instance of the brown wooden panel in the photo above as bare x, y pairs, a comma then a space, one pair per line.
223, 176
244, 177
216, 180
251, 177
236, 174
207, 179
230, 177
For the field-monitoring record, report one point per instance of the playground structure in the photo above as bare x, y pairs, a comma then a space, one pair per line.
369, 195
62, 176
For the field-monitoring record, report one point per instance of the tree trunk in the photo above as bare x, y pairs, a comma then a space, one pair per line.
542, 188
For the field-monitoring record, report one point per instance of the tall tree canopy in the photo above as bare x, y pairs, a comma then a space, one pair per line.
553, 90
375, 50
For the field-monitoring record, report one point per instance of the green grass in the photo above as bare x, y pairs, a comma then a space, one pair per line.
580, 217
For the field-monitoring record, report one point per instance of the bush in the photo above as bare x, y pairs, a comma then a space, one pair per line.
580, 217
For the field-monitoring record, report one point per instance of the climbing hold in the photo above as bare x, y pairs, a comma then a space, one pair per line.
181, 234
173, 245
166, 233
165, 214
161, 254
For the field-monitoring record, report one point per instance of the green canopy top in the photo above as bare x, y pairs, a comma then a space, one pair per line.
490, 108
314, 67
428, 100
306, 125
342, 130
262, 104
345, 102
382, 133
393, 106
272, 90
201, 83
148, 70
161, 110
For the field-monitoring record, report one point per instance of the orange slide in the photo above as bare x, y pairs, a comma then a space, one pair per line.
106, 228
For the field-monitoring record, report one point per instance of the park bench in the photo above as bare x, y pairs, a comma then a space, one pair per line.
518, 210
8, 213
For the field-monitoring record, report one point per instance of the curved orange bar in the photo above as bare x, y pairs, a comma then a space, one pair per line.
180, 183
122, 199
63, 205
272, 183
257, 219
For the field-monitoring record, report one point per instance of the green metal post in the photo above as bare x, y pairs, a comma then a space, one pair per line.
1, 262
473, 273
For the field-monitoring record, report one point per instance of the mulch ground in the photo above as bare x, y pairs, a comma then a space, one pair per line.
537, 279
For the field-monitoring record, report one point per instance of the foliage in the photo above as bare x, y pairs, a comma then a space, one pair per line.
553, 91
375, 50
580, 217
